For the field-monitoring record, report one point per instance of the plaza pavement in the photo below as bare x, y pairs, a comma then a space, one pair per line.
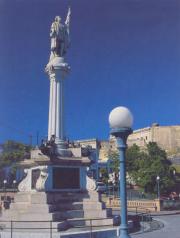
171, 228
170, 219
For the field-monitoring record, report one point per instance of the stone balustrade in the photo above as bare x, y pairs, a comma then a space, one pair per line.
150, 205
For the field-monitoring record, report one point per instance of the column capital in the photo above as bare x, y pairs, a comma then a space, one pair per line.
57, 67
52, 76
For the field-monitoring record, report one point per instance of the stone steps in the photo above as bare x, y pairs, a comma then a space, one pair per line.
74, 222
52, 198
49, 208
80, 205
56, 215
27, 216
64, 209
83, 214
43, 225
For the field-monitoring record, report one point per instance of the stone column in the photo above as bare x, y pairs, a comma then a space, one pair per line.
50, 110
60, 109
52, 106
57, 69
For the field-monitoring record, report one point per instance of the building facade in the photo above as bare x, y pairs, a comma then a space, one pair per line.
167, 137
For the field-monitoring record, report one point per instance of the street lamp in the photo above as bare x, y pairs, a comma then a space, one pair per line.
14, 184
174, 172
120, 120
5, 182
109, 176
158, 189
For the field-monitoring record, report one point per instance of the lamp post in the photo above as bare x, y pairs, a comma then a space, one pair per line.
109, 180
5, 182
121, 120
174, 173
14, 185
158, 189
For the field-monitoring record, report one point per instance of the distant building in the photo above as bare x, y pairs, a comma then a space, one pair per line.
103, 147
167, 137
104, 151
99, 153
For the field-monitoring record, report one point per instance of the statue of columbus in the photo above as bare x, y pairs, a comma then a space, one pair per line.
59, 34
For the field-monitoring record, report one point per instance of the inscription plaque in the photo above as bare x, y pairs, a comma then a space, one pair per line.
66, 178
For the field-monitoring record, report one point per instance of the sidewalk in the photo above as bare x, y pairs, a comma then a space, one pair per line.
171, 227
166, 213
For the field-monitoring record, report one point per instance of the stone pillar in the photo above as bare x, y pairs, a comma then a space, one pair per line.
60, 109
50, 109
57, 69
52, 106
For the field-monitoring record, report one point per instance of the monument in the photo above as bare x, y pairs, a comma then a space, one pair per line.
56, 186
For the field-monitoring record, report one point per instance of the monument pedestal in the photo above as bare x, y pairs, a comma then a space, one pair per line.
63, 208
57, 189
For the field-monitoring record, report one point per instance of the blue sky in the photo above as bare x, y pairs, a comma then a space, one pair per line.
123, 52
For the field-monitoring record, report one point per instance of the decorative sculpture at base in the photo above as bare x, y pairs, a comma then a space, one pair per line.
24, 184
40, 184
90, 184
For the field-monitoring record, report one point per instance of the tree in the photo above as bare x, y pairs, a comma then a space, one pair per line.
145, 166
132, 153
13, 152
104, 175
113, 164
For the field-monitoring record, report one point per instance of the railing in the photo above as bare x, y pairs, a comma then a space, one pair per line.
131, 194
12, 227
91, 225
145, 217
148, 223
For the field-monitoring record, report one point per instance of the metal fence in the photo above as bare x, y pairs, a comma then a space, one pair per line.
12, 227
131, 194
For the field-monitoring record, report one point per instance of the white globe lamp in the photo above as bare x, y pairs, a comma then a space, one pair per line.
120, 117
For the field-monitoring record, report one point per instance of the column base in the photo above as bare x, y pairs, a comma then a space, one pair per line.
124, 232
61, 148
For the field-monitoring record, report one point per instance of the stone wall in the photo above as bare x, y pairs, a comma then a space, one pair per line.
140, 137
167, 137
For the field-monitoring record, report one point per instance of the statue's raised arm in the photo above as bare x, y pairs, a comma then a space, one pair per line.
68, 18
